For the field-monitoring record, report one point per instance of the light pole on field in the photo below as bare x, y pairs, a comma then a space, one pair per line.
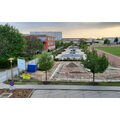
11, 59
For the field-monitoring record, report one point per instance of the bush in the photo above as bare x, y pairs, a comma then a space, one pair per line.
5, 63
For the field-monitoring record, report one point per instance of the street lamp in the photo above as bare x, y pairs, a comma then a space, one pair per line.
11, 59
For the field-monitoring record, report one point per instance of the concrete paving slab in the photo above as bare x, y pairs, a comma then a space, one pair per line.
75, 94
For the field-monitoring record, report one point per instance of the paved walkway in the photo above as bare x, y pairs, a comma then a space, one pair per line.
69, 91
74, 94
62, 87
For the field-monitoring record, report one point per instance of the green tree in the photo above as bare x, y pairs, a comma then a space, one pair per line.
45, 63
33, 45
116, 40
97, 64
71, 42
106, 41
84, 47
58, 43
82, 41
12, 44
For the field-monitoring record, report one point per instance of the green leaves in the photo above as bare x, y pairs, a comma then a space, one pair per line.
33, 45
106, 41
45, 62
97, 64
12, 43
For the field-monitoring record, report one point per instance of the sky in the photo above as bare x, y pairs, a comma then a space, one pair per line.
71, 29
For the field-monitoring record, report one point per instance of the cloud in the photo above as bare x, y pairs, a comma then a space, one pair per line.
68, 28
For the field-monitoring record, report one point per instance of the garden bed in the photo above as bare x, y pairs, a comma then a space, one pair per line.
18, 93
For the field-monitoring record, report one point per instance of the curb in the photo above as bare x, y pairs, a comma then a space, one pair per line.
67, 87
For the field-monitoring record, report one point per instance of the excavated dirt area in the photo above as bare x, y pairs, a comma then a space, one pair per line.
40, 75
18, 93
75, 70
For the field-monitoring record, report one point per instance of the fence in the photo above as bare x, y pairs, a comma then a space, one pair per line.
5, 75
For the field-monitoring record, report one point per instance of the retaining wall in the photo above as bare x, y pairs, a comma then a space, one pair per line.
114, 60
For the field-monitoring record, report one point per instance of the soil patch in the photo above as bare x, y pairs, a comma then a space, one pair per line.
71, 65
18, 93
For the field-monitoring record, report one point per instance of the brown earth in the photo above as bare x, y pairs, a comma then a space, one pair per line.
18, 93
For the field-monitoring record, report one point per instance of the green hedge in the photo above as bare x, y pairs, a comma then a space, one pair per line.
5, 63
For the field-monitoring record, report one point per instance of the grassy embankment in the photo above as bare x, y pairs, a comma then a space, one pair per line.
111, 50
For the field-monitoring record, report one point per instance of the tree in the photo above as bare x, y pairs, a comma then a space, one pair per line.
58, 43
98, 39
82, 41
116, 40
106, 41
33, 45
12, 42
96, 64
45, 63
71, 42
84, 47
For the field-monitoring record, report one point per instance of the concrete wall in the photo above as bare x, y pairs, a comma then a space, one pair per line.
5, 75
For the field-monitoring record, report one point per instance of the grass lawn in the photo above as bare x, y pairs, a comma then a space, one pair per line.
23, 82
112, 50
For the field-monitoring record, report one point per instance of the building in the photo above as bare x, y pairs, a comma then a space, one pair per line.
111, 39
57, 35
48, 41
74, 40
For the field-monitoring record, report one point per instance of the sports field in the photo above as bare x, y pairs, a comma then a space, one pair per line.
112, 50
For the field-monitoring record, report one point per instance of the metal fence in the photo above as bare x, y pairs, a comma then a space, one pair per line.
5, 75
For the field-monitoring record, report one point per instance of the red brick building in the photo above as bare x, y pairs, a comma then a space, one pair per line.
48, 41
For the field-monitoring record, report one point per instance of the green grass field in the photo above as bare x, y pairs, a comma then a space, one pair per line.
112, 50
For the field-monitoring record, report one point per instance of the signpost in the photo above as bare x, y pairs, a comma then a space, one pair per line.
11, 83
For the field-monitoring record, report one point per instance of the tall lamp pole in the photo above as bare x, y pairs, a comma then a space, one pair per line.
11, 59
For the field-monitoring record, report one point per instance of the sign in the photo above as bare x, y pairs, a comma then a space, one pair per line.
26, 76
21, 64
11, 83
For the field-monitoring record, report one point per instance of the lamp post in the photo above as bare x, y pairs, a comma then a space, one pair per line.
11, 59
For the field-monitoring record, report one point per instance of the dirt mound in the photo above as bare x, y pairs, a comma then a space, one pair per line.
71, 65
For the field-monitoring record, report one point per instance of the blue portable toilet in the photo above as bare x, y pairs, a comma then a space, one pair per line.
32, 68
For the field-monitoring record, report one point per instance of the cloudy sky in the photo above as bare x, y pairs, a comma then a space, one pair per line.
72, 29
